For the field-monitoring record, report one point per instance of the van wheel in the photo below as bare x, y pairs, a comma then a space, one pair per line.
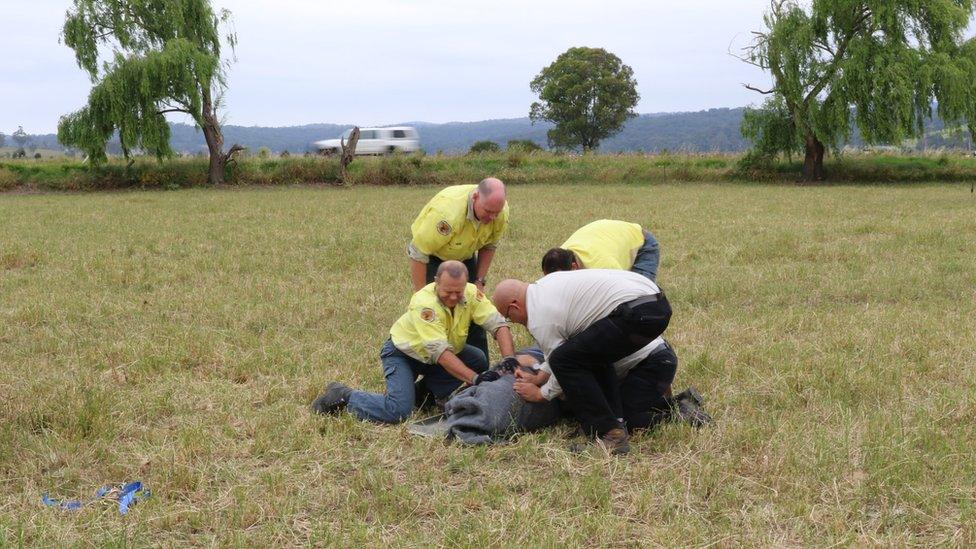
391, 150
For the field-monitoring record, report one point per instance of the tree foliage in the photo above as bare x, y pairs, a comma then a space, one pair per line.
588, 93
166, 58
771, 130
523, 145
967, 63
484, 147
875, 64
20, 137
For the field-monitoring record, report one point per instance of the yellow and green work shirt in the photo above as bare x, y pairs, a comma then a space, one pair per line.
606, 244
428, 328
448, 229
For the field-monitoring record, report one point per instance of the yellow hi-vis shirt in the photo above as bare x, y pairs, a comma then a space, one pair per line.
428, 328
606, 244
447, 228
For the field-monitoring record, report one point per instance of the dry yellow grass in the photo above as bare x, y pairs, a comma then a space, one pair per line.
178, 338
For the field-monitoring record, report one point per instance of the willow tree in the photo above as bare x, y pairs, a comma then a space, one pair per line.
967, 62
165, 58
878, 64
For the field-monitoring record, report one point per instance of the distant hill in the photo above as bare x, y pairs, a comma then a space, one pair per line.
706, 131
713, 130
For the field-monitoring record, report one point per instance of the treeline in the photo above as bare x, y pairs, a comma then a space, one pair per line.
713, 130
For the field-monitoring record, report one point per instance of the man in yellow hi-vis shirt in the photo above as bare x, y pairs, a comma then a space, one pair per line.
607, 244
428, 339
465, 223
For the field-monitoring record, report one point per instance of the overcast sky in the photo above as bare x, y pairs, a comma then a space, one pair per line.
373, 62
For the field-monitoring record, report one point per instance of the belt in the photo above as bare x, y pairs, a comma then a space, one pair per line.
642, 300
624, 309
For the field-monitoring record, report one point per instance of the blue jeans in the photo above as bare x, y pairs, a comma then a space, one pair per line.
648, 257
401, 371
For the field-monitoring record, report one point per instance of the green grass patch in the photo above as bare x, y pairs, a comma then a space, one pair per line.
179, 337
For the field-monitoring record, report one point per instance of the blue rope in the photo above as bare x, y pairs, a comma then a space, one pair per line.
126, 494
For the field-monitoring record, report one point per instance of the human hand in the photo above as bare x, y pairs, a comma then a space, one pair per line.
529, 392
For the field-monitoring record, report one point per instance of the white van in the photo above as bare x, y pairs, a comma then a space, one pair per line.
375, 141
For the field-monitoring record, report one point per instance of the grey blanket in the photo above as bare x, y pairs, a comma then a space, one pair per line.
491, 412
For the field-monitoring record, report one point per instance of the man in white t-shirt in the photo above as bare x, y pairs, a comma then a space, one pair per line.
585, 321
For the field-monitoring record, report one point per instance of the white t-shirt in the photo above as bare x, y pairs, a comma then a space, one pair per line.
563, 304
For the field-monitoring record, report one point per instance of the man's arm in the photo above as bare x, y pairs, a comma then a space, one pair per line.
503, 336
418, 274
456, 367
485, 255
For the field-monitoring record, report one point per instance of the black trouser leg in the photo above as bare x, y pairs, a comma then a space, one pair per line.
646, 391
476, 334
583, 364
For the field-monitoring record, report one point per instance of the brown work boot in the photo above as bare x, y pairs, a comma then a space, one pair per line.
616, 441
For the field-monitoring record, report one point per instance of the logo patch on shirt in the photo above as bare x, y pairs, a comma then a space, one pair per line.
427, 314
444, 227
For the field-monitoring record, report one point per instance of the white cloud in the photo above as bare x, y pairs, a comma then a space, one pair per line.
383, 61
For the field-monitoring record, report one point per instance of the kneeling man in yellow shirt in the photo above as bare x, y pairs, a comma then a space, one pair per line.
428, 339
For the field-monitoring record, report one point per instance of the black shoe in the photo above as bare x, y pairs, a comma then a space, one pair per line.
616, 441
688, 409
614, 444
333, 400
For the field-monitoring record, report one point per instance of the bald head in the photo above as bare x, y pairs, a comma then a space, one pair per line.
453, 269
509, 299
489, 199
490, 186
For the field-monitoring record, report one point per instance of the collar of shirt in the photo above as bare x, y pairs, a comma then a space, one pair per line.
471, 217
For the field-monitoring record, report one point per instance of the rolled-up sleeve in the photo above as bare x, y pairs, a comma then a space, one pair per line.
551, 388
416, 254
435, 348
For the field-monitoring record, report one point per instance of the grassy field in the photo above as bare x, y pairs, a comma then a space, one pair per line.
178, 338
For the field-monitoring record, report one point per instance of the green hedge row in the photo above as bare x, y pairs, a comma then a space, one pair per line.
512, 167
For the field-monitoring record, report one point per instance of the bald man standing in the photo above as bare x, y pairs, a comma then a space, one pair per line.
586, 321
428, 339
463, 223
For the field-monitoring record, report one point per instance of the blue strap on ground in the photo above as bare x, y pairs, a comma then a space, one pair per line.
126, 494
131, 493
70, 505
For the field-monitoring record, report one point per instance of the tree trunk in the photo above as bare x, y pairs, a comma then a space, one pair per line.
348, 152
813, 169
215, 175
215, 142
